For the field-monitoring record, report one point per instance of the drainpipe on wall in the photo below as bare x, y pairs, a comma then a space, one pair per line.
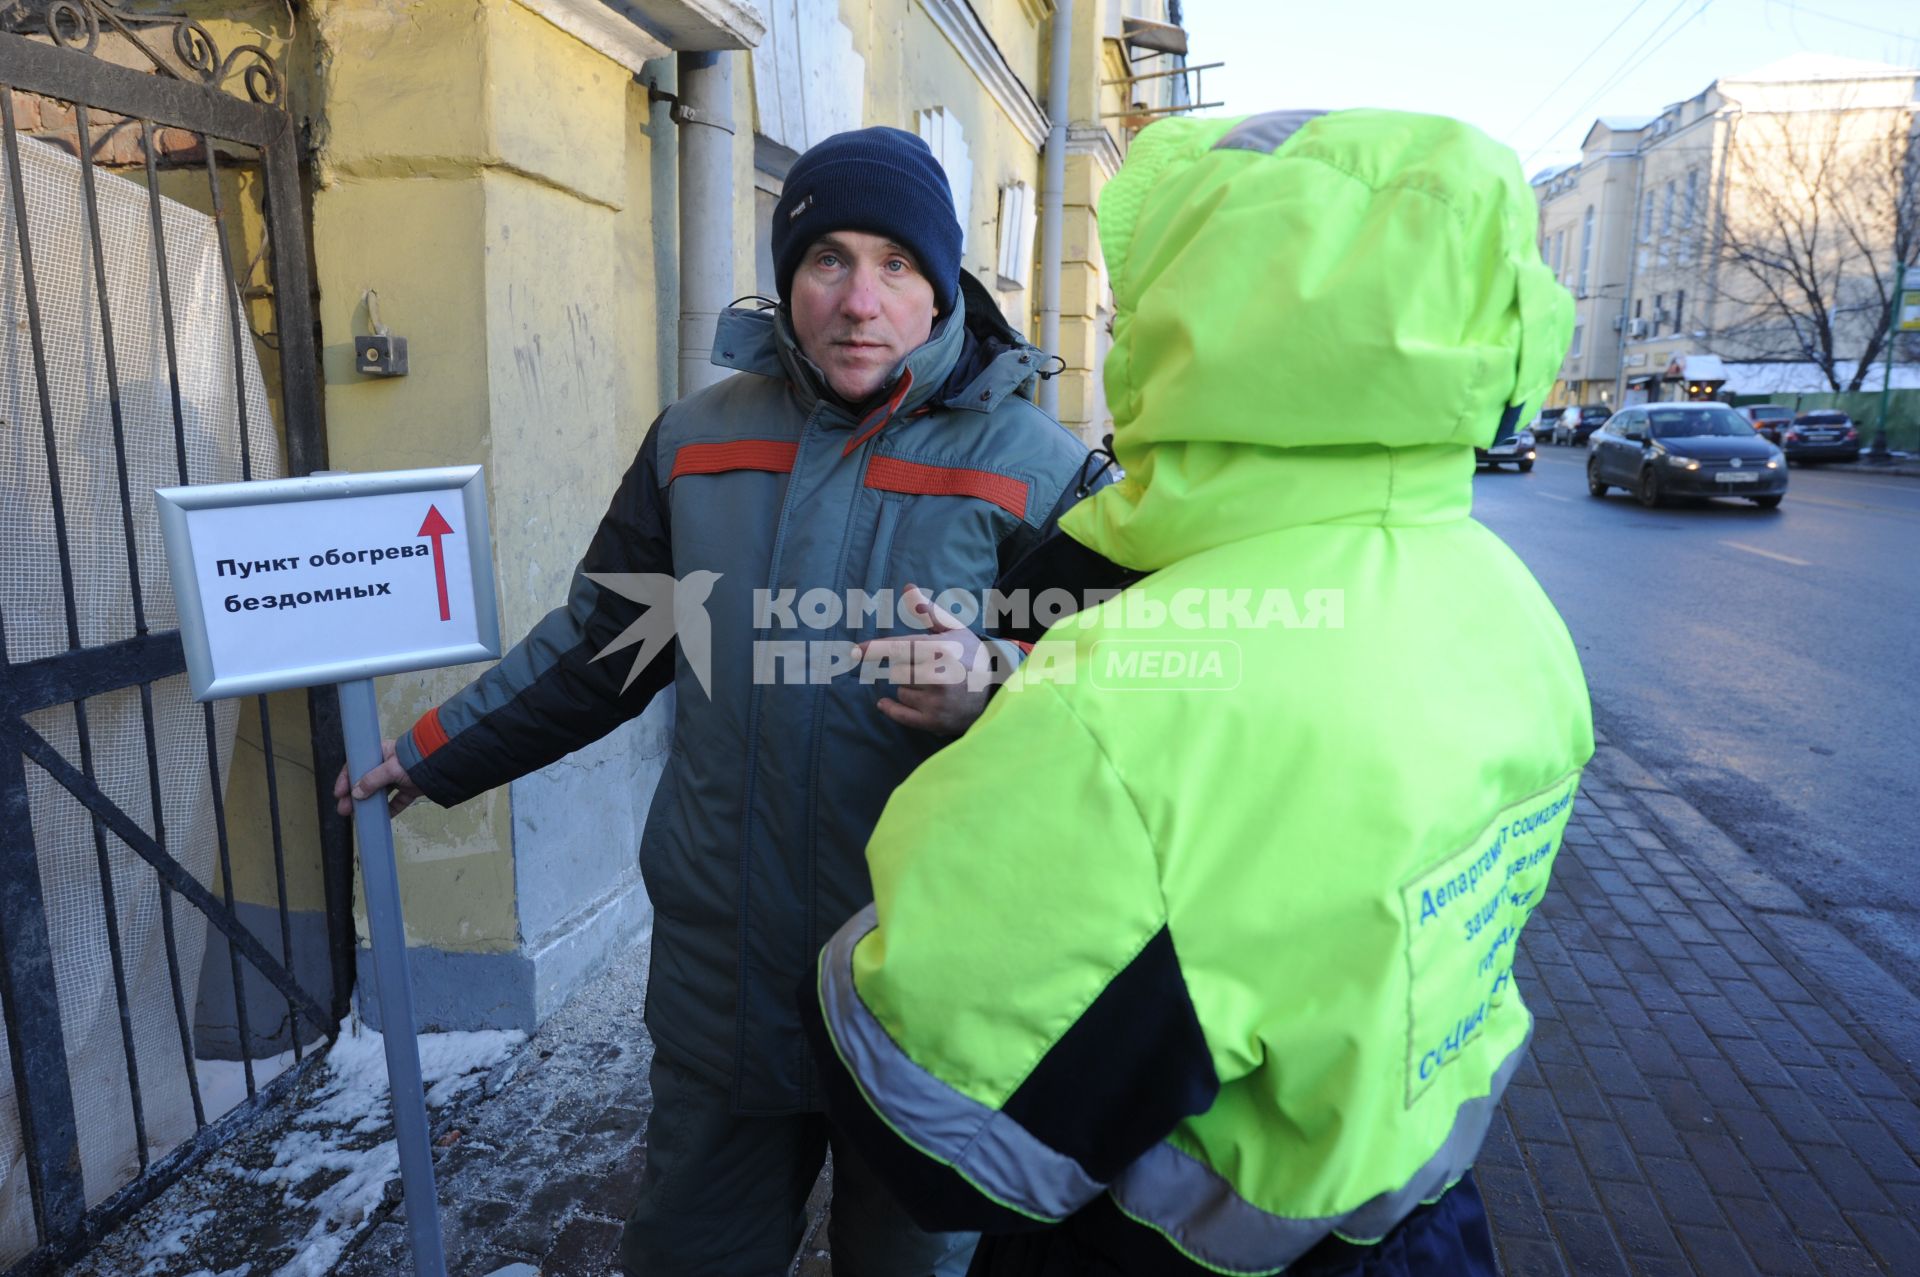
1633, 273
704, 113
1053, 200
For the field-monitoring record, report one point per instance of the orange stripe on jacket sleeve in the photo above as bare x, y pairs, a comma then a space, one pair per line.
742, 454
891, 474
428, 735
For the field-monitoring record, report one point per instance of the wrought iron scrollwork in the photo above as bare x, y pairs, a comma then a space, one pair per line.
75, 24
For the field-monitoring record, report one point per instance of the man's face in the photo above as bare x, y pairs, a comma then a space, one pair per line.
859, 305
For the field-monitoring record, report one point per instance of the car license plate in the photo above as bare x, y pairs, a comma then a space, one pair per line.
1736, 476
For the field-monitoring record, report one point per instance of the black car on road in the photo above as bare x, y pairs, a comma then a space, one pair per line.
1656, 451
1821, 435
1577, 425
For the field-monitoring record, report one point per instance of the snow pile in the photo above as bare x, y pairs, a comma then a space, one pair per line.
331, 1135
324, 1173
223, 1083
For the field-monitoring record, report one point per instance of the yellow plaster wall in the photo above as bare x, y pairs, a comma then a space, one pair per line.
912, 67
474, 169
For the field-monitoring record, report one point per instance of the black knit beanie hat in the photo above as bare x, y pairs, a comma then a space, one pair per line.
879, 180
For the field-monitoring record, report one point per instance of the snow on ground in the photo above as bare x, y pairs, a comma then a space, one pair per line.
223, 1083
352, 1103
326, 1171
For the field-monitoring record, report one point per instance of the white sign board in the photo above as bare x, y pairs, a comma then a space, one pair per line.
335, 577
1909, 318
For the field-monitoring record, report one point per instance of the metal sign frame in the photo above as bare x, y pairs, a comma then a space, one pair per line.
174, 506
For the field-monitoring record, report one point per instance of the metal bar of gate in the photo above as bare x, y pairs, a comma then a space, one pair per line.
36, 1045
163, 275
68, 777
36, 1042
237, 323
89, 201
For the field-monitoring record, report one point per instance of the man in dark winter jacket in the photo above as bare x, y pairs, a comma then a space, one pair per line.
876, 437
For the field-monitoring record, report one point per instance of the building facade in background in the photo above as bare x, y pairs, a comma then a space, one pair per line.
1742, 242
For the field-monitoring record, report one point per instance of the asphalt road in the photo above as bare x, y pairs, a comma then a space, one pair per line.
1766, 662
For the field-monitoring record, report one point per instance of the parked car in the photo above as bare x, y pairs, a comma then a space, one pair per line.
1517, 449
1769, 419
1576, 427
1544, 423
1656, 451
1821, 435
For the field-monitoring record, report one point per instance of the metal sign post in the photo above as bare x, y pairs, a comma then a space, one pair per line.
337, 578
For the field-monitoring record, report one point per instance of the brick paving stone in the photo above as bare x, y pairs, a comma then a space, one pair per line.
1840, 1259
1647, 1129
1652, 1054
1510, 1198
1589, 1243
1560, 1179
1760, 1140
1892, 1240
1604, 1150
1807, 1206
585, 1248
1682, 1032
1681, 1192
1769, 1238
1864, 1076
1797, 1116
1716, 1251
1639, 1223
1850, 1184
1615, 1073
1717, 1079
1818, 1024
1574, 1091
1722, 1164
1522, 1256
1590, 1026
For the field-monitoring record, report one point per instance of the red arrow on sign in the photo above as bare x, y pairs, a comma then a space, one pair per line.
436, 526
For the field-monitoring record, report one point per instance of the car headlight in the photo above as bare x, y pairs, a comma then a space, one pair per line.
1776, 461
1679, 462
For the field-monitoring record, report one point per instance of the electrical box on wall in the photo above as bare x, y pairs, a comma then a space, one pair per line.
380, 356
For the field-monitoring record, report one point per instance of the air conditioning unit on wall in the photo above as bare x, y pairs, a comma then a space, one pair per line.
1636, 328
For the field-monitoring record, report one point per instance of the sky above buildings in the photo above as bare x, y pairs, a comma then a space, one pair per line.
1534, 73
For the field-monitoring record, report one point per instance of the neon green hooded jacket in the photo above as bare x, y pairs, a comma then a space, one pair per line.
1214, 910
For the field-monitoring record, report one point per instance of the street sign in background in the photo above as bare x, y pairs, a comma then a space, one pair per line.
326, 579
1908, 318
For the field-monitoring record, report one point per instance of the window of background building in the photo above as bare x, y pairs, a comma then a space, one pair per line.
1666, 214
940, 130
1579, 339
1586, 250
1559, 252
1646, 219
1659, 310
1693, 195
1679, 310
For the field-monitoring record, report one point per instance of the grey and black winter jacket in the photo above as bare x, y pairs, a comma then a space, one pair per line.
753, 848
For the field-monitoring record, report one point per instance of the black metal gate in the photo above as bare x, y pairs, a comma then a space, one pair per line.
95, 725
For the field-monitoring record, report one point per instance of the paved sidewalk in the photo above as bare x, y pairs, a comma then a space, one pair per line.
1704, 1094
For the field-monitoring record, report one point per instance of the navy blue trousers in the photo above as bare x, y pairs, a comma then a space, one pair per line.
1447, 1239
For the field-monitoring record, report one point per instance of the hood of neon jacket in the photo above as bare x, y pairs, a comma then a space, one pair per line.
1317, 317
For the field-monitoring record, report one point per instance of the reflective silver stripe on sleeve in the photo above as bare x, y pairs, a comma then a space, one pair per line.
1265, 133
990, 1149
1200, 1212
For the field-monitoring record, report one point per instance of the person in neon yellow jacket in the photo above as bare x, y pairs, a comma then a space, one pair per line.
1196, 951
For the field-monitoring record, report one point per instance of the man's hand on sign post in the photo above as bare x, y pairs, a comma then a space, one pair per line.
389, 775
942, 677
